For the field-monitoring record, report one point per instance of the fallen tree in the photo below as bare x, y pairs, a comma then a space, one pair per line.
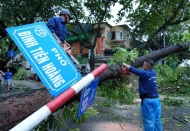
115, 71
15, 108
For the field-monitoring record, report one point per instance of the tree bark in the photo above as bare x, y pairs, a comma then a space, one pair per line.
161, 53
15, 108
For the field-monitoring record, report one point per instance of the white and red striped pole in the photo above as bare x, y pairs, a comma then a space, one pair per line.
33, 120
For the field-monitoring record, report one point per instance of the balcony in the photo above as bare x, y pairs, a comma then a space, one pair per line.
115, 43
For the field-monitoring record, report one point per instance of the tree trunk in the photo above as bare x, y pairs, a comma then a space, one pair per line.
115, 71
17, 107
161, 53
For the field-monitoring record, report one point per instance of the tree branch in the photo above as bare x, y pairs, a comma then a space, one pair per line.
78, 23
168, 22
36, 10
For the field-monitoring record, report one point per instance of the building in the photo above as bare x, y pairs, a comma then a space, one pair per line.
108, 38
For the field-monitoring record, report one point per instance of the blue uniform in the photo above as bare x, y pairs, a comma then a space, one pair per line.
58, 26
7, 78
147, 82
8, 75
150, 103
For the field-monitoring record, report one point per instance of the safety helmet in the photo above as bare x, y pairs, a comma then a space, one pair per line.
65, 12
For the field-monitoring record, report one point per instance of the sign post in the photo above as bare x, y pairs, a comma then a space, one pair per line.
46, 56
87, 97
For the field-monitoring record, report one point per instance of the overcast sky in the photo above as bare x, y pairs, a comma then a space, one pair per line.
114, 11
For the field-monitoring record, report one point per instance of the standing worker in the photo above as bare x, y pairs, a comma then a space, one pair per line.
57, 25
150, 102
7, 79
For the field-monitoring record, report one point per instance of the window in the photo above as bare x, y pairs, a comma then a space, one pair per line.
109, 35
119, 35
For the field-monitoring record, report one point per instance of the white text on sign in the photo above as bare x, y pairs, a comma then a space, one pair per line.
41, 57
58, 56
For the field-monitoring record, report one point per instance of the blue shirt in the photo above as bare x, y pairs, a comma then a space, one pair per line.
147, 82
57, 25
7, 75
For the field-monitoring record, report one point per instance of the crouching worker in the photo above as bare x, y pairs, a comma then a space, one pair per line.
57, 26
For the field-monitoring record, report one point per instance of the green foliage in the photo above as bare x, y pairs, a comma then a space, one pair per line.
183, 80
71, 111
106, 104
59, 119
21, 74
170, 76
117, 90
4, 49
172, 102
151, 18
172, 60
20, 12
121, 56
181, 33
16, 66
97, 11
179, 80
165, 74
184, 72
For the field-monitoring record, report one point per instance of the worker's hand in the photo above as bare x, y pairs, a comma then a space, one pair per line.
66, 46
69, 52
125, 70
65, 42
127, 66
